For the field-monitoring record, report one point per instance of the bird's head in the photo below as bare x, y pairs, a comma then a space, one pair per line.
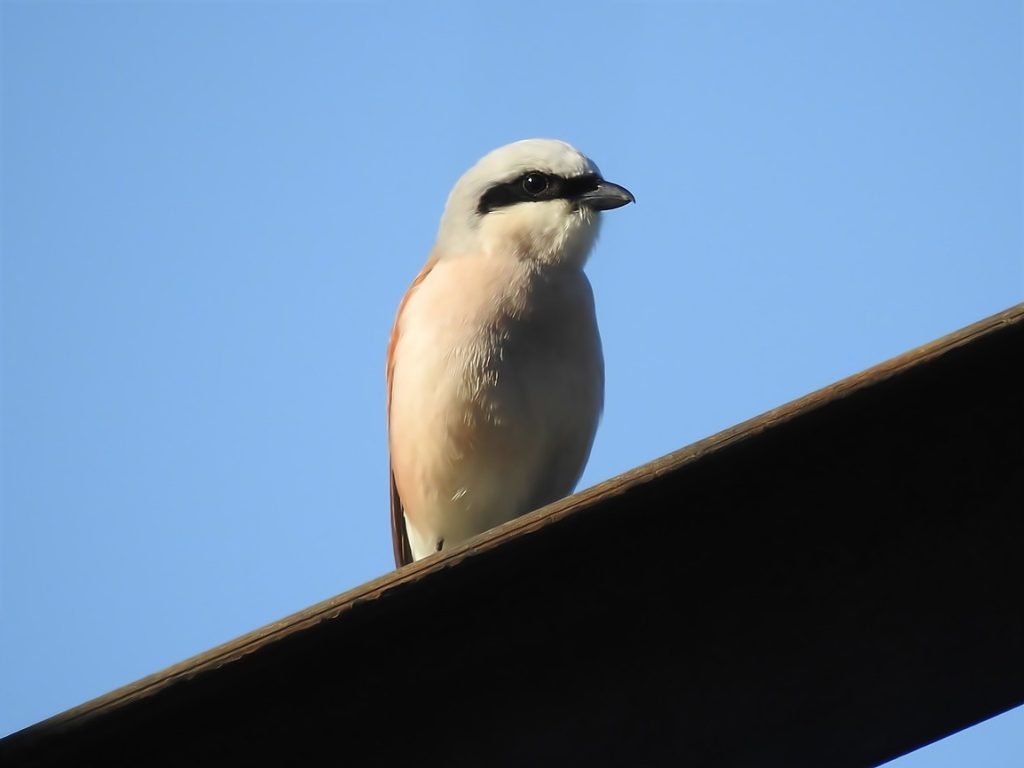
537, 199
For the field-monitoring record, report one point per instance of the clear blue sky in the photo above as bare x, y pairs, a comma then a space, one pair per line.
210, 212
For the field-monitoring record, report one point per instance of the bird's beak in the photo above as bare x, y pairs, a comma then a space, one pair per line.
606, 196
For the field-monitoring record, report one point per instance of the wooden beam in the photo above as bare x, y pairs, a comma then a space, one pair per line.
834, 582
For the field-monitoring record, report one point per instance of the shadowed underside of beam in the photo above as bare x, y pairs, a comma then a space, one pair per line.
835, 583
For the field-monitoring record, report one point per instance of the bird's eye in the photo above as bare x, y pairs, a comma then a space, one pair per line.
535, 183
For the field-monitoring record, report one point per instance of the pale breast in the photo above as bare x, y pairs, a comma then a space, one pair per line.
497, 389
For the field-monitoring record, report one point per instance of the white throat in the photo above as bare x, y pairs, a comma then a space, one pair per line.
551, 233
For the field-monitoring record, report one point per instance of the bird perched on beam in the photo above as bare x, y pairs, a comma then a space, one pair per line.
495, 374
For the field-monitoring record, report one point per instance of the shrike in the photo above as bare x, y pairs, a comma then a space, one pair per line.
495, 374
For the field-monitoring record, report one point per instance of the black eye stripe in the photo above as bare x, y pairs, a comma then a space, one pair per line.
577, 185
511, 192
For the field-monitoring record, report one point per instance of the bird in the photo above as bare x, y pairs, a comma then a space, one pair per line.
495, 371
